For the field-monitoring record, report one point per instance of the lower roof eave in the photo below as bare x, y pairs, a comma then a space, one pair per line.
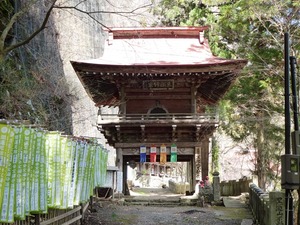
163, 67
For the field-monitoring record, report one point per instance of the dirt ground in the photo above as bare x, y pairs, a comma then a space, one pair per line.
115, 213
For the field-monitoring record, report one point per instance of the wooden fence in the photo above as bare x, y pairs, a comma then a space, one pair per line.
56, 217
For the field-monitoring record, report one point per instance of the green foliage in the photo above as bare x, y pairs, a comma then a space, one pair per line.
6, 9
28, 92
180, 13
252, 111
15, 91
27, 95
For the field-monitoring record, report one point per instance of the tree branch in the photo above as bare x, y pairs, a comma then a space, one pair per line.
36, 32
8, 27
4, 50
100, 11
89, 13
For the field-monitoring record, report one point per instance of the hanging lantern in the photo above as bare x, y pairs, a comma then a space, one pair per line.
143, 154
173, 153
163, 154
153, 153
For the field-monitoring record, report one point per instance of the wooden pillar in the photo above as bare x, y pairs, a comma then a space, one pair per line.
197, 163
193, 172
119, 163
191, 175
204, 158
119, 159
193, 99
125, 184
123, 101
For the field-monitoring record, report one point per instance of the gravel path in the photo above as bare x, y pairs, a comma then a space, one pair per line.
112, 213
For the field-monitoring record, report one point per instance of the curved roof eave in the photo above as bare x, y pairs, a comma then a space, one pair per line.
160, 67
153, 51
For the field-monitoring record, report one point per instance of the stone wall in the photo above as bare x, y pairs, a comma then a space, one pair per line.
178, 187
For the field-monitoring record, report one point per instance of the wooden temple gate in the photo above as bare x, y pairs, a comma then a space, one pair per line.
163, 84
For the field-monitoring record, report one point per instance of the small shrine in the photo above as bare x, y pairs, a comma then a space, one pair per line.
161, 86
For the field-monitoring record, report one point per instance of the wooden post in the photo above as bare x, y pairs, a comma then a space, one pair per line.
91, 202
198, 162
204, 158
81, 213
37, 219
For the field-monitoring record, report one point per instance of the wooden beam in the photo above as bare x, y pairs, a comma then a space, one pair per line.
138, 144
161, 97
180, 150
130, 90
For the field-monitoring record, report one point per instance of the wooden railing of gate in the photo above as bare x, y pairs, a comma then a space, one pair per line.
211, 117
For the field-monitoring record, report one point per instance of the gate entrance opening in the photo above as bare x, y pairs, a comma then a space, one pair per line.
156, 176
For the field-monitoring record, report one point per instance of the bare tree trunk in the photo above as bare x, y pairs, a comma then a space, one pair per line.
261, 153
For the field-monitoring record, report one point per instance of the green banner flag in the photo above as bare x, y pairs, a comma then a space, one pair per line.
6, 139
75, 154
28, 137
173, 153
41, 169
43, 178
7, 136
53, 166
21, 180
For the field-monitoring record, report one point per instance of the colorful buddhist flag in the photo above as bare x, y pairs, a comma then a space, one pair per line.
153, 153
143, 154
33, 160
173, 153
163, 154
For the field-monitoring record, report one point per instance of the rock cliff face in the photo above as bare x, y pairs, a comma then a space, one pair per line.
76, 30
82, 36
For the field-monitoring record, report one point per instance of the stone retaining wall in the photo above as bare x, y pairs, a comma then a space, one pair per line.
236, 187
178, 188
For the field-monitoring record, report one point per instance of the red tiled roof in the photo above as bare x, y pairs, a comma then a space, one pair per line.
156, 46
157, 51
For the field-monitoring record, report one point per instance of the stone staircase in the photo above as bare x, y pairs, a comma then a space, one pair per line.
161, 201
158, 197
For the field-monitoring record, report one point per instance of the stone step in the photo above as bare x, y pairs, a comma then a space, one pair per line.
247, 222
160, 202
234, 202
